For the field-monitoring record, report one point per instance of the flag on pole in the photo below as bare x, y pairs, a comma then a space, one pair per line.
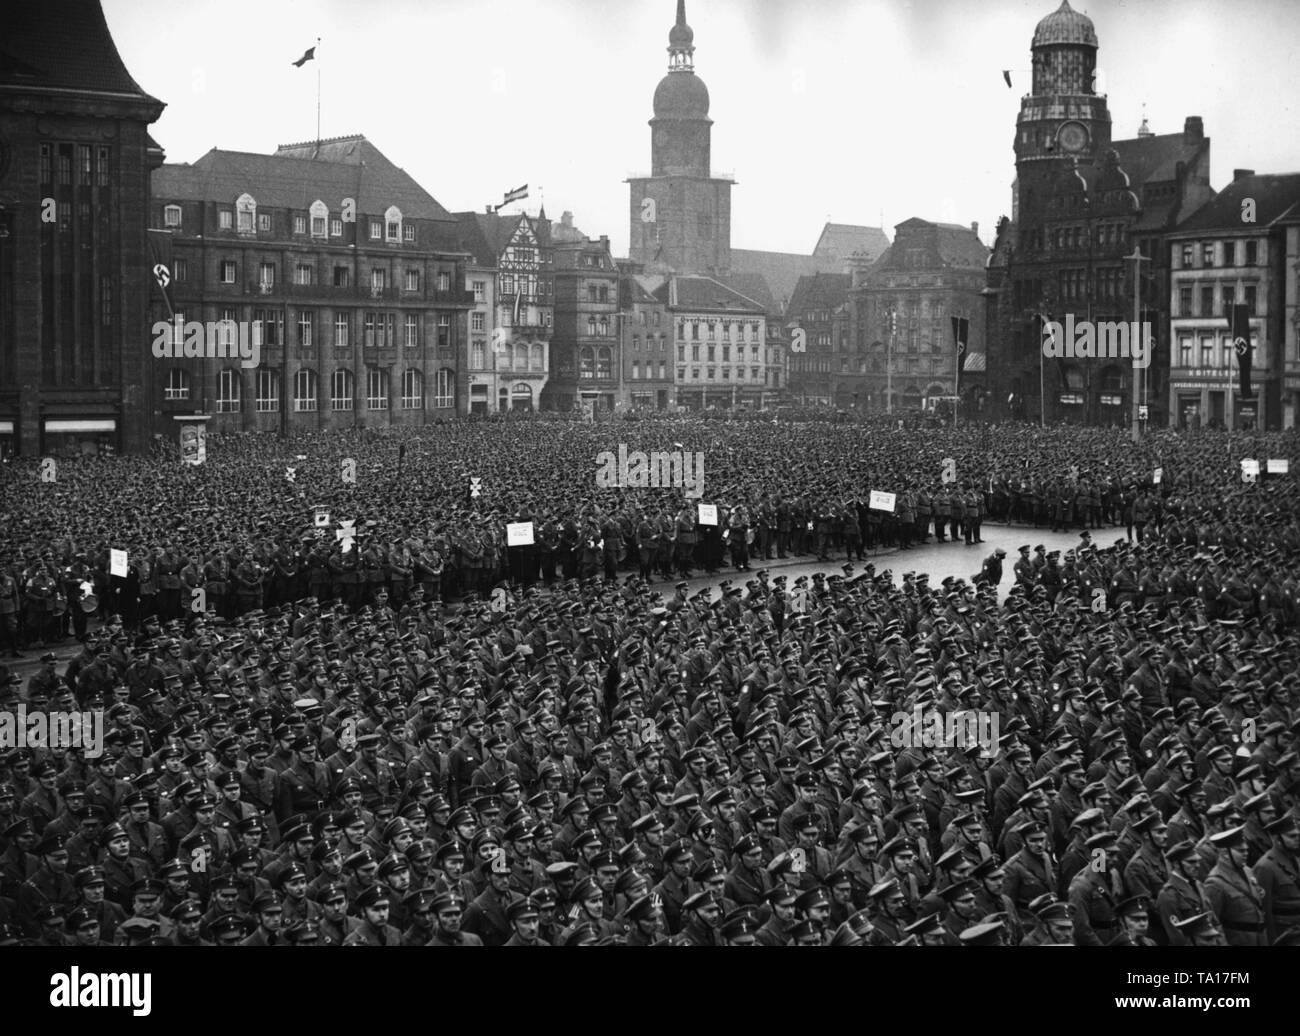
310, 55
519, 297
518, 194
1006, 74
960, 333
1239, 316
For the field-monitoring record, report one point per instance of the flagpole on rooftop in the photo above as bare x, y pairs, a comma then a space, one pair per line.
318, 99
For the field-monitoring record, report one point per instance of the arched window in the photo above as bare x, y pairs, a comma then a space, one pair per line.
246, 214
604, 362
591, 327
304, 391
229, 392
586, 363
413, 390
604, 327
341, 390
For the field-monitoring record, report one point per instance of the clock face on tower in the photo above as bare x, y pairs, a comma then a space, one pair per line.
1073, 137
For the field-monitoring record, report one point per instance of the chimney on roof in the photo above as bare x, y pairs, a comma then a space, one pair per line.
487, 210
566, 219
975, 228
1241, 174
604, 241
1193, 130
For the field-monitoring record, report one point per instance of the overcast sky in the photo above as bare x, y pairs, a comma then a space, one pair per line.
847, 110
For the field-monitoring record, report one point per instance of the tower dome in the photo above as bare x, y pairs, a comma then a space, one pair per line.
1065, 27
681, 96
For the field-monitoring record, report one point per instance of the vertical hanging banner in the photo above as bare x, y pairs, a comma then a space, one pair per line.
1240, 317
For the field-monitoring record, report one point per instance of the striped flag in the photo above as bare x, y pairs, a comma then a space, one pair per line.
976, 362
518, 194
519, 297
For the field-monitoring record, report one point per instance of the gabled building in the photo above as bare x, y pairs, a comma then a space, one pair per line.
586, 361
518, 250
345, 273
1081, 204
75, 162
901, 318
840, 248
1241, 248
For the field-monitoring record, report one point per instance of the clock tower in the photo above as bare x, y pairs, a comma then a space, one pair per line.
1063, 118
681, 213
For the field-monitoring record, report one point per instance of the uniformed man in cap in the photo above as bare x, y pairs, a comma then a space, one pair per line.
1232, 892
1095, 892
1134, 921
374, 929
524, 918
1278, 874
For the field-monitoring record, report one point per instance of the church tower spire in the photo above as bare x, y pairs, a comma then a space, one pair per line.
681, 49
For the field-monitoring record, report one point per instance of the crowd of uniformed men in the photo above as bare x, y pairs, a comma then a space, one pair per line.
332, 755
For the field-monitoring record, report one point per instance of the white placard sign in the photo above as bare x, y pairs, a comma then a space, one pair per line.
1250, 468
1157, 475
708, 514
882, 501
116, 562
1278, 467
519, 534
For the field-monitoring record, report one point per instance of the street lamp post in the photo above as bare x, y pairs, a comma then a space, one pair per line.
889, 362
1138, 259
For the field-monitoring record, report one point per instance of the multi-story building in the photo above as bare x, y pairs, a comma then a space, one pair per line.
1240, 249
646, 343
902, 311
518, 249
680, 213
1289, 225
725, 356
344, 272
479, 388
1082, 203
817, 320
586, 358
75, 161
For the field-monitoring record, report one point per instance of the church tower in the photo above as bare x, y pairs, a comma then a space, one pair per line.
681, 214
1063, 118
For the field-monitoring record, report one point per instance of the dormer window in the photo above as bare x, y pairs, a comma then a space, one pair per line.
246, 213
172, 216
393, 222
320, 214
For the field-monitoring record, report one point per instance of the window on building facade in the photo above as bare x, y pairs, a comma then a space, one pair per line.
408, 233
228, 392
376, 389
412, 390
172, 216
444, 388
1252, 253
1185, 351
444, 330
1207, 253
306, 323
412, 280
225, 219
412, 331
336, 227
268, 391
228, 271
303, 274
341, 390
1252, 296
300, 224
477, 321
178, 384
480, 291
304, 391
342, 336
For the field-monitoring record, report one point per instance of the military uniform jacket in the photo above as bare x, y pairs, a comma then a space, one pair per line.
1145, 874
42, 888
1279, 876
1237, 900
486, 918
1028, 876
366, 934
1092, 908
1179, 898
120, 875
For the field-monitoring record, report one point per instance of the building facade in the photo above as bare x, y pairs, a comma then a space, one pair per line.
586, 350
646, 344
817, 321
1082, 203
680, 214
75, 163
518, 250
1238, 249
726, 357
901, 332
342, 270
